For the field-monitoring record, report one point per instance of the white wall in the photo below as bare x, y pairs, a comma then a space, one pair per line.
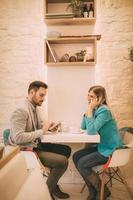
68, 86
21, 52
67, 96
114, 70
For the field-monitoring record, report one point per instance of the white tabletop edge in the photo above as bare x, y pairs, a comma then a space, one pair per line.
70, 138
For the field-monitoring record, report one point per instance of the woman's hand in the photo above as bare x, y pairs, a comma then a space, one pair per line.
92, 105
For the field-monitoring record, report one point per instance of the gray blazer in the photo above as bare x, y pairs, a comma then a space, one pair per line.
23, 130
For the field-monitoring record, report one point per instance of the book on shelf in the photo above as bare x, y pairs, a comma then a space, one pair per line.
52, 51
58, 15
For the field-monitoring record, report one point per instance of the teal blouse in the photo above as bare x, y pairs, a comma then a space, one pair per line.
103, 123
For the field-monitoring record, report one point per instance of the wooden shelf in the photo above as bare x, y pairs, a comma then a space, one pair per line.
56, 13
53, 7
60, 1
71, 21
75, 39
69, 64
57, 47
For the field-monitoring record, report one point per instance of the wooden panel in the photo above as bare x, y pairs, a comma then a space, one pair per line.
9, 156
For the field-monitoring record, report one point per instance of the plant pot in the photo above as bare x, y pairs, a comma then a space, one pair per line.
80, 58
77, 13
85, 14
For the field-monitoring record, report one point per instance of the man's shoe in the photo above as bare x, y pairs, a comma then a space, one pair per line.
58, 193
52, 196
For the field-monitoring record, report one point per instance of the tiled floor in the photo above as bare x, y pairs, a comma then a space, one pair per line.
118, 191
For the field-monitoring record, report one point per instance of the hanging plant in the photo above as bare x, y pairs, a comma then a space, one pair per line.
131, 54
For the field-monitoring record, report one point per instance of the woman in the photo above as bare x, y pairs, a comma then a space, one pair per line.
97, 119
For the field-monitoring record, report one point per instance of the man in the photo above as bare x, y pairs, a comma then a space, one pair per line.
27, 129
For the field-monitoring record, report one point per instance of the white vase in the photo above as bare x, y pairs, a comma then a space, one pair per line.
85, 14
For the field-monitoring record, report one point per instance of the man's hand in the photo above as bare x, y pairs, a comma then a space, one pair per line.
54, 127
45, 127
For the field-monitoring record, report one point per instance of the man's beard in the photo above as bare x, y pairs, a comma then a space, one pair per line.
39, 103
35, 103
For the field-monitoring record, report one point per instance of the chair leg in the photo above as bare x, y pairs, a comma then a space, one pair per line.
102, 187
125, 183
83, 188
45, 170
110, 178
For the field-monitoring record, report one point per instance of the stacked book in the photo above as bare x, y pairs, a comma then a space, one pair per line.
58, 15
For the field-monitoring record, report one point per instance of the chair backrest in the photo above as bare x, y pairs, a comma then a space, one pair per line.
121, 157
128, 139
6, 134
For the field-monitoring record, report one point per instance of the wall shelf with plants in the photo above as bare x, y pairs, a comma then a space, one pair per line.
70, 12
71, 50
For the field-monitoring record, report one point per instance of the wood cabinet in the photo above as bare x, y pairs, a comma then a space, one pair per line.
57, 13
58, 48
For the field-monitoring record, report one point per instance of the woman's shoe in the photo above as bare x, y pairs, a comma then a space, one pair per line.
58, 193
92, 190
92, 193
107, 193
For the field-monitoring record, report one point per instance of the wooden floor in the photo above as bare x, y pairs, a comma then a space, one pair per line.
118, 191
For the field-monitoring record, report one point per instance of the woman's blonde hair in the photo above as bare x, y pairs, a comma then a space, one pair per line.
100, 92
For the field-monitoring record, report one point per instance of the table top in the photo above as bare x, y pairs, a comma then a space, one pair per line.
70, 138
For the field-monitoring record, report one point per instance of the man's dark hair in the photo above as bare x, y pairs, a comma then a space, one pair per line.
36, 85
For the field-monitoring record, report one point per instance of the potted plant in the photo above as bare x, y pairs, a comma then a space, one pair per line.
77, 7
131, 54
80, 55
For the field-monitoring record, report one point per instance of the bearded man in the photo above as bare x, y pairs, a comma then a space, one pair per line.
26, 130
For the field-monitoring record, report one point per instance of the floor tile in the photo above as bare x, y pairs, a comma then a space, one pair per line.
118, 191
